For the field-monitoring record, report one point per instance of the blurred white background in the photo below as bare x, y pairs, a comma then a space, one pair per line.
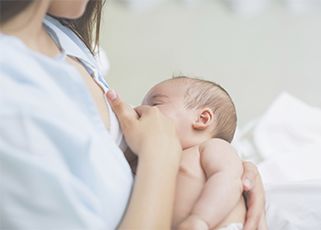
254, 51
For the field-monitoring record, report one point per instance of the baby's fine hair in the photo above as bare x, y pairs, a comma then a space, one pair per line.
203, 93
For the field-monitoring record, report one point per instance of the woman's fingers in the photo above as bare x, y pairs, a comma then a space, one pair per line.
253, 214
144, 109
263, 224
249, 175
125, 114
145, 128
255, 197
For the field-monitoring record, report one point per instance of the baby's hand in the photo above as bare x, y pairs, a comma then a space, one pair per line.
193, 222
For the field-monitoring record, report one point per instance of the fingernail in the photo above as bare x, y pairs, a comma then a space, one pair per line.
247, 183
111, 94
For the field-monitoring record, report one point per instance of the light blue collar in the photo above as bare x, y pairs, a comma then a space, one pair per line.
71, 45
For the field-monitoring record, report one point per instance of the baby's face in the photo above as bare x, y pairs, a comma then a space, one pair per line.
168, 96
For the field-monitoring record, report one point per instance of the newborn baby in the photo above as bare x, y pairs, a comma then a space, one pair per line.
209, 187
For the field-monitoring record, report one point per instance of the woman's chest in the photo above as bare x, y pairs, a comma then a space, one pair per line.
95, 90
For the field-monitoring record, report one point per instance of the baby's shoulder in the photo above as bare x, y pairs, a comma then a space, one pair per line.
218, 150
219, 154
216, 144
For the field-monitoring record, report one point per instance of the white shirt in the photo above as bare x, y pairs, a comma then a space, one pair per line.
59, 167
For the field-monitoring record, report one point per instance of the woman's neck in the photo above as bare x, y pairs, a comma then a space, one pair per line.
28, 27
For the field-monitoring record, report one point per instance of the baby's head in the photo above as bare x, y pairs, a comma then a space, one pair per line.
200, 109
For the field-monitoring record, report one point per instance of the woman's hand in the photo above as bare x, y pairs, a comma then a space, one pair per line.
255, 198
153, 138
145, 128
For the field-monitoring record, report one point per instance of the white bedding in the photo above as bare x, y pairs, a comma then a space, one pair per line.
294, 206
286, 144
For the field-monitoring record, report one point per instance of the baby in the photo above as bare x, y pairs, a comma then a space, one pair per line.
209, 187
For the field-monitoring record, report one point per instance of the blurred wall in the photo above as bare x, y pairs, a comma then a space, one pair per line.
255, 58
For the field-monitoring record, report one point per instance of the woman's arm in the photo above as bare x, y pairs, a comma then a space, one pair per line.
153, 138
151, 203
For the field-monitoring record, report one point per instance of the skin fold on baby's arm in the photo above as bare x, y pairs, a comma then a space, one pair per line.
223, 188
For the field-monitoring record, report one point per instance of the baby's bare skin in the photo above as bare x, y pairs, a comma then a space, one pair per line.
191, 182
209, 188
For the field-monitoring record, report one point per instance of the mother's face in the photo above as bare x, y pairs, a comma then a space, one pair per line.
70, 9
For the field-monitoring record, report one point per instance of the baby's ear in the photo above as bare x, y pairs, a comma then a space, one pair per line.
204, 119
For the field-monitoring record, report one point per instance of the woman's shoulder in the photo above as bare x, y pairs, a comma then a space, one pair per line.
10, 46
17, 61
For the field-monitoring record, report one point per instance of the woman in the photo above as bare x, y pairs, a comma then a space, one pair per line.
61, 165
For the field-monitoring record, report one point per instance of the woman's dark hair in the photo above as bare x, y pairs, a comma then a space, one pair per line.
87, 27
87, 24
10, 8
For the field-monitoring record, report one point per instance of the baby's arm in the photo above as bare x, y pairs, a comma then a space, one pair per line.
223, 188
